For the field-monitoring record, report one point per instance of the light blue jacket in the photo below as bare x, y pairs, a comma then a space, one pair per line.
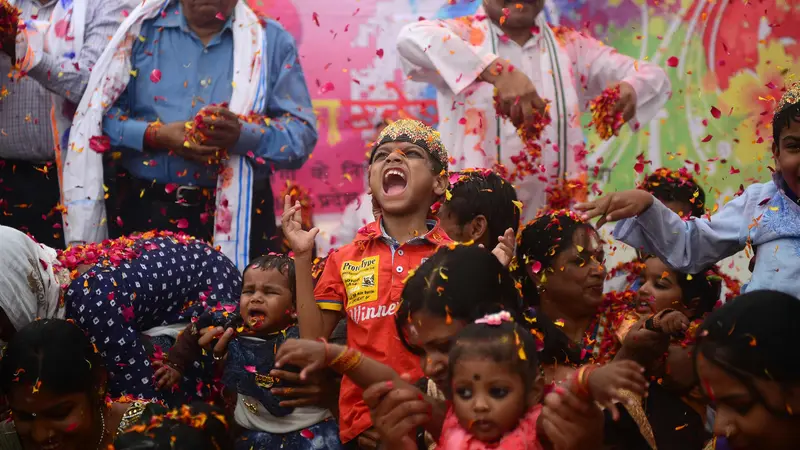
763, 216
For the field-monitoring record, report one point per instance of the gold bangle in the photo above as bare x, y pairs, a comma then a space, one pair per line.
346, 361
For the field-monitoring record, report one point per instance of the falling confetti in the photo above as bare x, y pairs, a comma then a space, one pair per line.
673, 61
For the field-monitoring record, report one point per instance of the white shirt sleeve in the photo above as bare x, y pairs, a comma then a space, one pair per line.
356, 215
432, 51
599, 66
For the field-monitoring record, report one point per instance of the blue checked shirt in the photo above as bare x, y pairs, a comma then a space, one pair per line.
25, 128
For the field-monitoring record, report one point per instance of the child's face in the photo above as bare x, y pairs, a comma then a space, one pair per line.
787, 155
401, 179
683, 209
266, 303
489, 398
660, 289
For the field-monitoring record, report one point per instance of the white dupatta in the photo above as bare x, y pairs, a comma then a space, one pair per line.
476, 137
85, 219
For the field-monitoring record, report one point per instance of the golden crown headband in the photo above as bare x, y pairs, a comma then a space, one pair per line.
790, 97
417, 133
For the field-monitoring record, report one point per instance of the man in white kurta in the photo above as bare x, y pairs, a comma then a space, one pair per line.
529, 63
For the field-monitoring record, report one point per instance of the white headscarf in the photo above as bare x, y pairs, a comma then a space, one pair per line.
29, 288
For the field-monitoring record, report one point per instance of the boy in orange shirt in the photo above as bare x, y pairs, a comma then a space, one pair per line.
364, 279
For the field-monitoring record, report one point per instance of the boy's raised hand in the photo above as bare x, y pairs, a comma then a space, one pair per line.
504, 251
616, 206
300, 240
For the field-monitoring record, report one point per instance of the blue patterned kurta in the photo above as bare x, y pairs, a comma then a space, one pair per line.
165, 285
764, 216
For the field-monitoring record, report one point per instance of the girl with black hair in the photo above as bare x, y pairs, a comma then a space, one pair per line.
191, 427
744, 369
658, 335
493, 373
765, 214
481, 208
56, 385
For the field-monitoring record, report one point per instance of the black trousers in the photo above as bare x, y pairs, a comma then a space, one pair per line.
141, 205
29, 195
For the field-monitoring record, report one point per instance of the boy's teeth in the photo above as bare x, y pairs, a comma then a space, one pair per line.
395, 172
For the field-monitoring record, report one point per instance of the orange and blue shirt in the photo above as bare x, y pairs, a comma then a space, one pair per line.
364, 280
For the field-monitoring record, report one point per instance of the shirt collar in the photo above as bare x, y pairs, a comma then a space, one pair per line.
541, 21
172, 17
777, 178
375, 230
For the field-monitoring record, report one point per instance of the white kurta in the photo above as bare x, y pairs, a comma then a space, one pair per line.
567, 68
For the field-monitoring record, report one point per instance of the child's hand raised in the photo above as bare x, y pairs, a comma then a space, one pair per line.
605, 383
504, 251
616, 206
300, 240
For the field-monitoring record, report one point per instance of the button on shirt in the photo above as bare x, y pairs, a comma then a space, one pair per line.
194, 75
25, 129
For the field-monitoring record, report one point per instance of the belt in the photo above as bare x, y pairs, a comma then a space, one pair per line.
186, 196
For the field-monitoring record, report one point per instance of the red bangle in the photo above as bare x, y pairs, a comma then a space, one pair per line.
150, 134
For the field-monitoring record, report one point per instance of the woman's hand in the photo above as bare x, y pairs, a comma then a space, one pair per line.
310, 356
606, 382
219, 349
569, 423
316, 390
397, 412
616, 206
166, 375
300, 240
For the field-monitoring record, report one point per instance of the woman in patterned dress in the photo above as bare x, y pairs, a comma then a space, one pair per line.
56, 385
127, 294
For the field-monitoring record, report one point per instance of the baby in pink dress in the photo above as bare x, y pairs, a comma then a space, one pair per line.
493, 372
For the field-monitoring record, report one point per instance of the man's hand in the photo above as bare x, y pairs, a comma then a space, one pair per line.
172, 137
223, 129
516, 93
627, 101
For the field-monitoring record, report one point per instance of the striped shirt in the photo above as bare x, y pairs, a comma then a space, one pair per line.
25, 128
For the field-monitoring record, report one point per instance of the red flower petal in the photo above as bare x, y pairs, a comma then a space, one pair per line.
672, 61
182, 224
155, 76
707, 138
715, 112
379, 53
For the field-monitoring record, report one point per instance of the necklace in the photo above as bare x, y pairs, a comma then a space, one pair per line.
103, 430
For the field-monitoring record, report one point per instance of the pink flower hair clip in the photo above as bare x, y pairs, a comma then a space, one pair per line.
496, 319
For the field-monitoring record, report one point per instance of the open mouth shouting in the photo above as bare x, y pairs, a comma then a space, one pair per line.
394, 181
256, 319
